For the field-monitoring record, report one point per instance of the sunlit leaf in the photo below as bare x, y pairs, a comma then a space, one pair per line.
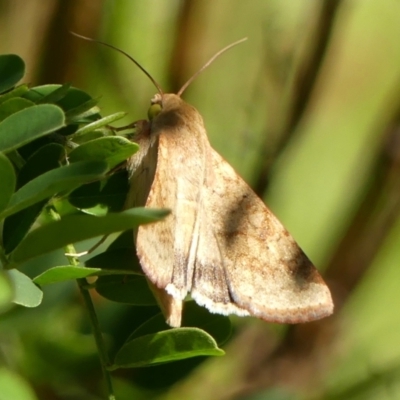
100, 123
112, 149
64, 273
75, 228
218, 326
166, 346
55, 181
69, 272
29, 124
26, 293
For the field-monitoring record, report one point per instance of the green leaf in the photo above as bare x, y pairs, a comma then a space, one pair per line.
112, 149
92, 135
75, 228
64, 273
84, 109
166, 346
26, 293
12, 69
132, 289
69, 272
17, 225
56, 95
8, 181
13, 386
12, 106
218, 326
99, 123
97, 211
73, 98
55, 181
29, 124
19, 91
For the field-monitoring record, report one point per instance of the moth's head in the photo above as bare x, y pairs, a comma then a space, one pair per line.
169, 109
165, 102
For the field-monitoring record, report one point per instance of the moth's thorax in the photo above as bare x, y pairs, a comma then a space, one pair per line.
175, 114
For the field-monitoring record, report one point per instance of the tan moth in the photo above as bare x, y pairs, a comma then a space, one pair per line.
220, 243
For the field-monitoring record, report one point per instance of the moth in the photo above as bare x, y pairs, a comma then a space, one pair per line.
220, 244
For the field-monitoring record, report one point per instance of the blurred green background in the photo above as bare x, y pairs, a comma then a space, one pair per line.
308, 112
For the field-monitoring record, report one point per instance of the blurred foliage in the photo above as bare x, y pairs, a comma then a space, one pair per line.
307, 110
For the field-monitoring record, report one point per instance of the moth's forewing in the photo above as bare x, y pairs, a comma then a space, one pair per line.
166, 248
142, 166
142, 169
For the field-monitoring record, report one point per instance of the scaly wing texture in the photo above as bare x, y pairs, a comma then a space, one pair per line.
247, 263
142, 169
142, 166
166, 249
153, 243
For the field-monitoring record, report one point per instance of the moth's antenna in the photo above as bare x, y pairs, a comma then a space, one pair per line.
184, 87
125, 54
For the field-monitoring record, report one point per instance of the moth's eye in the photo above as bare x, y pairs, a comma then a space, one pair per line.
154, 110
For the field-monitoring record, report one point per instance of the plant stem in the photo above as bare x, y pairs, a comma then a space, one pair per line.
83, 287
102, 351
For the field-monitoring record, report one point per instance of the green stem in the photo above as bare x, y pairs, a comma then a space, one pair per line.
83, 287
101, 347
